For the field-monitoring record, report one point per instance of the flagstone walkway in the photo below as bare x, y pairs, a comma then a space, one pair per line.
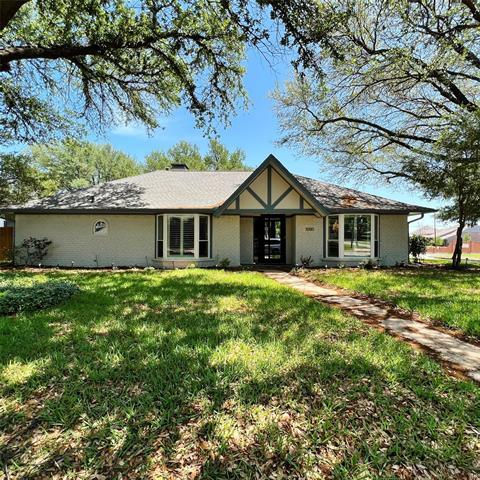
457, 353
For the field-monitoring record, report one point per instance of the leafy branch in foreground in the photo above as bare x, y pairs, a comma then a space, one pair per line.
107, 61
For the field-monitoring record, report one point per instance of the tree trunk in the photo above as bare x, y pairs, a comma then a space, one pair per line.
457, 253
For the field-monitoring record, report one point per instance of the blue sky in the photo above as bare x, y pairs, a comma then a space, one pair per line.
255, 131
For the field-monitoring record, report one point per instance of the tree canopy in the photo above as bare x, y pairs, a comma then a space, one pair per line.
218, 157
377, 79
388, 90
18, 179
74, 164
452, 173
107, 61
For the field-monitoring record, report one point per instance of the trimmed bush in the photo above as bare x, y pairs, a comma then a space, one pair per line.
21, 298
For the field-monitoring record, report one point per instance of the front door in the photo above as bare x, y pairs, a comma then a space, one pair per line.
269, 239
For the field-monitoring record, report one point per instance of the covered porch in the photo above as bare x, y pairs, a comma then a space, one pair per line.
280, 239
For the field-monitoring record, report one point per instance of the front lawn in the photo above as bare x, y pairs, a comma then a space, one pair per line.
214, 375
450, 297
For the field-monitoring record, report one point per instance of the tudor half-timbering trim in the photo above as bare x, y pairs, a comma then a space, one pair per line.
246, 199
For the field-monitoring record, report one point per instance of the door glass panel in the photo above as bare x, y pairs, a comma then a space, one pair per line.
272, 239
333, 235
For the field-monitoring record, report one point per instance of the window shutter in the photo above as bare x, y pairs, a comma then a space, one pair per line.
188, 236
174, 236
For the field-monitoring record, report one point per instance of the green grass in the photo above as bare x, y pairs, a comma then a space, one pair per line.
475, 256
446, 258
449, 297
214, 375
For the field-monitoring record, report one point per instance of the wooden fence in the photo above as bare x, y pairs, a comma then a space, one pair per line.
6, 243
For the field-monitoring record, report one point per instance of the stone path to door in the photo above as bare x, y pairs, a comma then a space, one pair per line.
461, 355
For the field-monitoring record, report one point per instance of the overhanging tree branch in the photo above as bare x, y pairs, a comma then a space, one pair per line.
8, 9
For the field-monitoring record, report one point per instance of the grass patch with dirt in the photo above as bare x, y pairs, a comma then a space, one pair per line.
216, 375
446, 296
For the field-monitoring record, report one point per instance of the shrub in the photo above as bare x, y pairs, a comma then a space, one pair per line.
417, 245
33, 250
306, 262
367, 265
20, 298
223, 263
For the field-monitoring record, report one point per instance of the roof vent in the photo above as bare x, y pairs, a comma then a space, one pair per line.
179, 167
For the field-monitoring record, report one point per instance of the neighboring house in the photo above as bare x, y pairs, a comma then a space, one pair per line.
449, 234
446, 234
178, 217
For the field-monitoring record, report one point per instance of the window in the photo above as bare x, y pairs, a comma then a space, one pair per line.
333, 236
203, 236
100, 227
160, 236
357, 231
184, 236
354, 236
181, 236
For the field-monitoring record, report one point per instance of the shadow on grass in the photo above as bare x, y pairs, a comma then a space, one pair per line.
149, 374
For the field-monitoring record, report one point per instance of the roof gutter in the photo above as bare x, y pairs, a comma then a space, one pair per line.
417, 219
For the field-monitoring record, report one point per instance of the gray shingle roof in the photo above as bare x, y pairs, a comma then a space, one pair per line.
161, 189
338, 199
187, 190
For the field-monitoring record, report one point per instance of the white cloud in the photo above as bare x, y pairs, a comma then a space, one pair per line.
130, 130
135, 129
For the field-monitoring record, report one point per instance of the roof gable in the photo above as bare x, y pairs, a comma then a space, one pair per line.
271, 187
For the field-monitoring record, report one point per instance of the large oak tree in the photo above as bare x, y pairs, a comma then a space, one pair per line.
379, 82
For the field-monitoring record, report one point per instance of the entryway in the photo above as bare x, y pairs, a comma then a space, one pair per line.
269, 234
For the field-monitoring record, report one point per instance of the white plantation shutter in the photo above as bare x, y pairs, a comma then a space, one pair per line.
185, 236
188, 238
174, 236
181, 236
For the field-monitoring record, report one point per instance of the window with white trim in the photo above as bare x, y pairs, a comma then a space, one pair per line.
183, 236
350, 236
203, 236
160, 236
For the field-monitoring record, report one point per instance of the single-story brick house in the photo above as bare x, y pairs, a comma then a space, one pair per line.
177, 217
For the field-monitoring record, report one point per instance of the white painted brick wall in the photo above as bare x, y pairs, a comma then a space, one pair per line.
308, 243
130, 238
246, 240
226, 238
393, 239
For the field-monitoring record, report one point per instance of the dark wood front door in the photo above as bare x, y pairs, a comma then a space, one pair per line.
269, 239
